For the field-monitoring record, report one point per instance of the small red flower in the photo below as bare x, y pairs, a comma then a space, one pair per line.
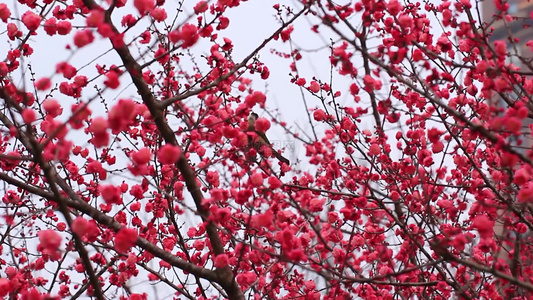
125, 239
5, 285
83, 38
221, 261
257, 179
521, 176
189, 35
98, 125
500, 47
319, 115
223, 23
255, 98
112, 80
66, 69
484, 226
526, 193
28, 115
314, 87
95, 18
4, 12
200, 7
49, 242
286, 33
144, 6
169, 154
52, 107
274, 182
262, 125
43, 84
301, 81
50, 26
374, 150
159, 14
142, 156
31, 20
80, 226
111, 194
64, 27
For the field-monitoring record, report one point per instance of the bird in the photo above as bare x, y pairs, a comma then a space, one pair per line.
262, 139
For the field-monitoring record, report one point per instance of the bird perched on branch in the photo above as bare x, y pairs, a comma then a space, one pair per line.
261, 139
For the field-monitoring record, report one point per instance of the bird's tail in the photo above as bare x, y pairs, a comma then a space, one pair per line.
280, 157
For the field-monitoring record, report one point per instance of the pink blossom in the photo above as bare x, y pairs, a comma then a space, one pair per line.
374, 150
500, 47
52, 107
28, 115
111, 194
314, 87
31, 20
5, 287
200, 7
3, 69
159, 14
521, 176
221, 261
43, 84
66, 69
189, 35
262, 124
286, 33
319, 115
13, 32
525, 194
142, 156
274, 182
83, 38
144, 6
64, 27
50, 26
112, 80
49, 239
317, 204
223, 23
255, 98
4, 12
257, 179
79, 226
169, 154
95, 18
98, 125
125, 239
484, 226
